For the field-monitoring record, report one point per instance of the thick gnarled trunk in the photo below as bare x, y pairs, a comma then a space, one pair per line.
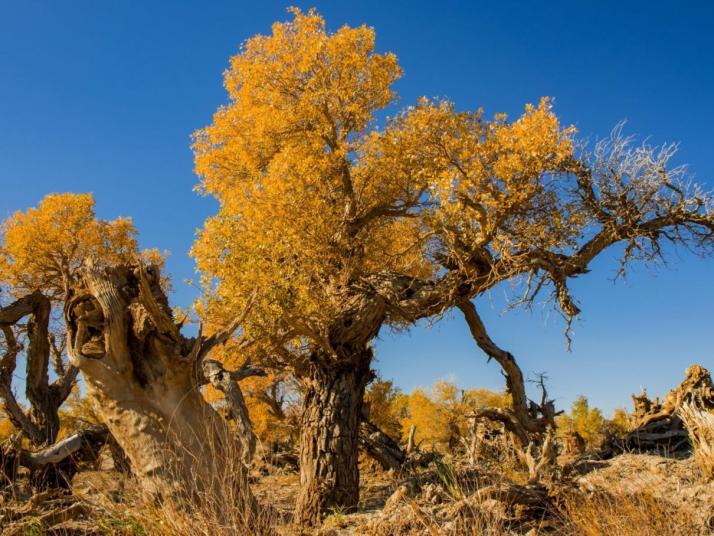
332, 409
174, 440
145, 377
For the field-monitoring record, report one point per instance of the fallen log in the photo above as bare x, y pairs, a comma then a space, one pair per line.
86, 440
54, 466
381, 447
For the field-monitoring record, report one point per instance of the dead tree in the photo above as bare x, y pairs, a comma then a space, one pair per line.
146, 376
40, 423
658, 427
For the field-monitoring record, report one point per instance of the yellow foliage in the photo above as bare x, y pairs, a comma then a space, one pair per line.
586, 421
268, 398
440, 414
6, 428
386, 406
77, 412
485, 398
43, 247
277, 158
270, 410
620, 424
313, 198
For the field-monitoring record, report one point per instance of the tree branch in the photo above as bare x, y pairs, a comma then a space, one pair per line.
520, 419
226, 382
13, 410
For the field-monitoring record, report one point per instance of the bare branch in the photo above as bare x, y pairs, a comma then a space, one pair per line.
522, 419
203, 345
10, 405
226, 382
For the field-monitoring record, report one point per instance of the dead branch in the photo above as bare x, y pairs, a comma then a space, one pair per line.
658, 427
525, 417
226, 382
41, 423
381, 447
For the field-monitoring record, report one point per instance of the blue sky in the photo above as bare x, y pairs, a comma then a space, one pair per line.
102, 96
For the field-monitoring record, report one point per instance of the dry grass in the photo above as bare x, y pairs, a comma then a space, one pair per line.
225, 507
631, 495
606, 514
577, 514
451, 502
700, 425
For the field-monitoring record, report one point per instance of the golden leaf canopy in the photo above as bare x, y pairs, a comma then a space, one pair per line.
315, 197
42, 248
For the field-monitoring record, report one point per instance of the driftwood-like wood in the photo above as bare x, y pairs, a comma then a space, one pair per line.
410, 440
227, 383
146, 379
83, 445
658, 427
381, 447
54, 466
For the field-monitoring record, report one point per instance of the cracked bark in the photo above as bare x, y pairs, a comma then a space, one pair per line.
329, 473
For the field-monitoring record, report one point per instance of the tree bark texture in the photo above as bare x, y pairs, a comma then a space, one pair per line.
330, 425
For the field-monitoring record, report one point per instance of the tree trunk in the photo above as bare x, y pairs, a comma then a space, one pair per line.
40, 423
410, 441
332, 409
381, 447
145, 377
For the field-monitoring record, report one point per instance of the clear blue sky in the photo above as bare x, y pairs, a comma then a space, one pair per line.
102, 96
